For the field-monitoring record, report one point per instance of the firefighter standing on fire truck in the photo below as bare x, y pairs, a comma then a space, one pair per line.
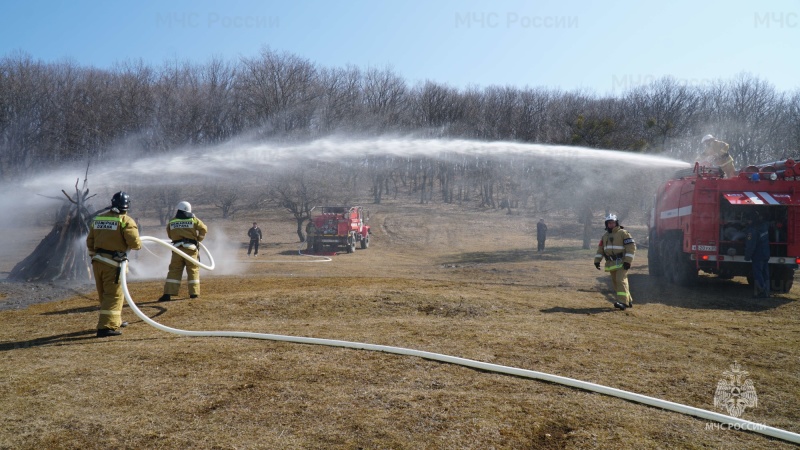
111, 234
186, 232
617, 248
716, 153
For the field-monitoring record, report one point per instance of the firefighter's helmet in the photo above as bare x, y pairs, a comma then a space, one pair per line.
184, 206
611, 217
121, 200
706, 138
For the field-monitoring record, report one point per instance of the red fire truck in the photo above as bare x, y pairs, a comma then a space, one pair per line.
338, 227
699, 218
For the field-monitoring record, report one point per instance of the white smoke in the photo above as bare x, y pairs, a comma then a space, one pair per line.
152, 261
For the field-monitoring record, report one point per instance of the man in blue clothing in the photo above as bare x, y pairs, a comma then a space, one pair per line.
255, 236
756, 249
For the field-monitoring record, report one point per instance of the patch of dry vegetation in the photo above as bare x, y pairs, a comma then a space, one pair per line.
437, 285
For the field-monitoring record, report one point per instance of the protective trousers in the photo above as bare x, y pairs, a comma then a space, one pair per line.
761, 277
176, 266
109, 291
253, 244
619, 282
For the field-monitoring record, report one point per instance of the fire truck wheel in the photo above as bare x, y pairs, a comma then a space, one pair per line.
684, 269
685, 272
365, 242
668, 257
654, 265
781, 279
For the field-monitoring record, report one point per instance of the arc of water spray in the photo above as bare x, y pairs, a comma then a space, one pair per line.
732, 422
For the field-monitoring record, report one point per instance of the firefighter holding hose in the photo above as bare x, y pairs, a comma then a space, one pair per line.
186, 232
617, 248
111, 234
716, 152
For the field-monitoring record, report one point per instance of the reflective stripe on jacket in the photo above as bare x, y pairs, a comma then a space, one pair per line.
190, 228
616, 247
114, 232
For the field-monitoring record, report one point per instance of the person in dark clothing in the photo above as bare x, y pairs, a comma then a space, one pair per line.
541, 235
254, 234
756, 249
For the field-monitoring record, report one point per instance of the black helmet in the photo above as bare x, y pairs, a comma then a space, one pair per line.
121, 201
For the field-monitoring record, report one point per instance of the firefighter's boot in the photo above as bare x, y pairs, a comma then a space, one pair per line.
105, 332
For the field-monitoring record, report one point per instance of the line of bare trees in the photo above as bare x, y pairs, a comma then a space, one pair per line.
52, 113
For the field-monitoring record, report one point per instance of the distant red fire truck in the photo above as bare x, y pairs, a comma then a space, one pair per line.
338, 227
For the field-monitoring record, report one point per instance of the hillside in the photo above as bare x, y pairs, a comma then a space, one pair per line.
437, 278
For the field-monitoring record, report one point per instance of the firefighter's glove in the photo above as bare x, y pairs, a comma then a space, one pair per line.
626, 265
597, 265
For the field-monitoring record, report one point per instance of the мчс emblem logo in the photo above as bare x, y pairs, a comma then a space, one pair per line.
735, 392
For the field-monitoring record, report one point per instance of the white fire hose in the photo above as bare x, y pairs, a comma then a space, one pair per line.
730, 421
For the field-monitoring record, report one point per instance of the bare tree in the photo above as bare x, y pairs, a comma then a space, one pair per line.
279, 90
298, 192
664, 115
436, 106
754, 117
227, 198
384, 97
26, 98
341, 98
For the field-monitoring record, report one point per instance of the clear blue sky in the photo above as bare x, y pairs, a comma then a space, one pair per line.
604, 46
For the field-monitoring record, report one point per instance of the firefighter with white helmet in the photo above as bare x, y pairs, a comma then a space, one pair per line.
111, 234
617, 248
716, 153
186, 232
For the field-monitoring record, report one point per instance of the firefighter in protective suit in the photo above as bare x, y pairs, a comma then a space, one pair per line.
111, 234
186, 232
617, 248
716, 152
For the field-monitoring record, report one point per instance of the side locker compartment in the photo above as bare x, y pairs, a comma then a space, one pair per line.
705, 235
683, 269
792, 229
686, 217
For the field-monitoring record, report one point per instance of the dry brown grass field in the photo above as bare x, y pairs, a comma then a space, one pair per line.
437, 278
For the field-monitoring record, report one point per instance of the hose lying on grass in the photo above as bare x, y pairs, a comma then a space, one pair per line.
729, 421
